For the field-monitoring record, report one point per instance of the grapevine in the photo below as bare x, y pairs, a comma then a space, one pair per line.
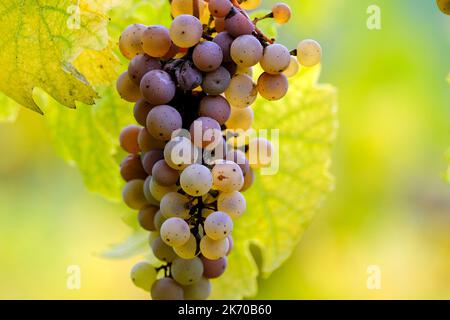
192, 154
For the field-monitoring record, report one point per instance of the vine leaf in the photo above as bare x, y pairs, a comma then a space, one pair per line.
39, 41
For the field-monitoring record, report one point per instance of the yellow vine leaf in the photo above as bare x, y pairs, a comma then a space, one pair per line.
39, 41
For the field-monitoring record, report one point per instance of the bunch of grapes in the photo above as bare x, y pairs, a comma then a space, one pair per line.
189, 157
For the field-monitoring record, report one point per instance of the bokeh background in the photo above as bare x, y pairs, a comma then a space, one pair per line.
390, 207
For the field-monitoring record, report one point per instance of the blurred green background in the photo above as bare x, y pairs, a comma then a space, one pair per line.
390, 208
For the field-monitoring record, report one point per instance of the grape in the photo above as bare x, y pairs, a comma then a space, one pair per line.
215, 107
239, 158
227, 176
205, 132
240, 119
173, 51
179, 7
147, 143
214, 249
214, 268
237, 24
241, 92
219, 24
143, 275
230, 244
246, 51
162, 121
162, 251
174, 204
207, 56
166, 289
272, 87
131, 168
158, 220
187, 271
293, 68
157, 87
218, 225
146, 217
206, 212
133, 194
276, 59
233, 203
188, 77
127, 89
250, 4
281, 13
140, 65
224, 41
129, 139
247, 71
130, 40
163, 174
141, 110
210, 155
198, 291
158, 191
444, 6
309, 53
147, 192
180, 153
219, 8
186, 31
150, 158
216, 82
196, 180
187, 250
156, 41
260, 152
248, 180
175, 232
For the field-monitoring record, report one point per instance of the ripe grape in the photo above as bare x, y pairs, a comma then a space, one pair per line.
143, 275
186, 31
130, 40
214, 268
199, 290
140, 65
131, 168
158, 191
156, 41
179, 7
276, 59
175, 232
249, 178
239, 158
214, 249
218, 225
158, 220
162, 251
444, 6
147, 143
240, 119
241, 92
250, 4
162, 121
247, 71
133, 194
216, 82
127, 89
230, 244
219, 24
188, 76
196, 180
180, 153
205, 132
309, 53
163, 174
129, 139
146, 217
215, 107
187, 271
187, 250
227, 176
141, 110
293, 68
147, 192
260, 152
174, 204
233, 203
272, 87
166, 289
219, 8
207, 56
150, 158
224, 41
237, 24
157, 87
281, 13
246, 51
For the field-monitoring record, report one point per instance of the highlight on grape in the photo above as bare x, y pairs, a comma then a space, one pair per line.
194, 154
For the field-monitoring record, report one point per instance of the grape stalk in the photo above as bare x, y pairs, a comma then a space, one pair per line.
190, 155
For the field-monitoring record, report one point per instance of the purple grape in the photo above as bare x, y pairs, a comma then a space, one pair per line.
237, 24
216, 82
141, 110
162, 121
200, 127
157, 87
216, 107
207, 56
214, 268
131, 168
140, 65
150, 158
224, 41
163, 174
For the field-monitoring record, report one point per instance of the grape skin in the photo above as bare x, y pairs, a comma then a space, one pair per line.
162, 251
186, 31
141, 110
180, 153
187, 271
281, 13
147, 143
272, 87
150, 158
140, 65
163, 174
196, 180
207, 56
205, 132
162, 121
218, 225
166, 289
214, 268
239, 157
175, 232
250, 4
260, 152
131, 168
215, 107
198, 291
130, 41
249, 178
158, 220
157, 87
309, 53
146, 217
133, 194
127, 89
224, 41
158, 191
147, 192
219, 8
143, 275
236, 24
246, 51
214, 249
276, 59
233, 203
293, 68
240, 118
128, 139
216, 82
241, 92
227, 176
187, 250
156, 41
174, 204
